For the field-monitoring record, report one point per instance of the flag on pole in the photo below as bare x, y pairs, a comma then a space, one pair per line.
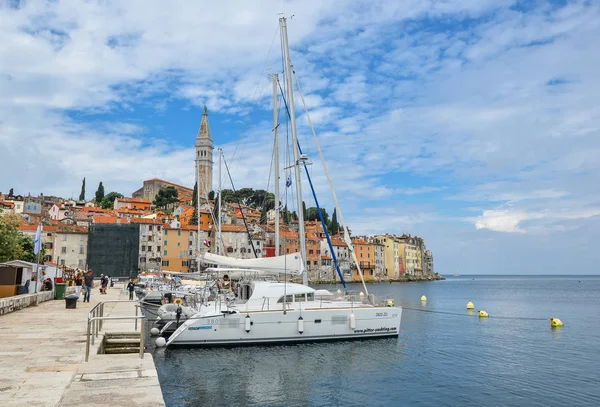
288, 182
37, 243
206, 243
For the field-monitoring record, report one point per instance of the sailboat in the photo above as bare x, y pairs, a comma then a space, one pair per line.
273, 312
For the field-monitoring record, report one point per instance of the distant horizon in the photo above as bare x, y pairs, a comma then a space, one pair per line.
524, 275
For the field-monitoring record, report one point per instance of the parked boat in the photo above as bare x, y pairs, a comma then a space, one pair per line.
267, 312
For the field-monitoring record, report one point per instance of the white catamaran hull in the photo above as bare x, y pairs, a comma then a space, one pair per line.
272, 327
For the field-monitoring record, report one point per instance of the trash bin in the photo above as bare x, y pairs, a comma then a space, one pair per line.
59, 292
71, 301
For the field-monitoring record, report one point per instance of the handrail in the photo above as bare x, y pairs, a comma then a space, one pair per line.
93, 319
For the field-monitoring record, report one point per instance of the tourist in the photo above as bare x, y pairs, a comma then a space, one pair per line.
88, 285
47, 285
131, 288
103, 284
78, 284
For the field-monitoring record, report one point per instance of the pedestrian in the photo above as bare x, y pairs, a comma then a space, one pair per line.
47, 285
88, 285
78, 284
131, 288
102, 284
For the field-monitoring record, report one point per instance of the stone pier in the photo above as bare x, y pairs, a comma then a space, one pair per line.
42, 351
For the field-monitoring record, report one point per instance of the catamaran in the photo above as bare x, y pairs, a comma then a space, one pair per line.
270, 312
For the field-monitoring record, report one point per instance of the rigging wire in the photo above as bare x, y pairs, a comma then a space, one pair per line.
241, 211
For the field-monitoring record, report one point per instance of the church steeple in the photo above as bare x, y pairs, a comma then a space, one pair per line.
204, 131
204, 153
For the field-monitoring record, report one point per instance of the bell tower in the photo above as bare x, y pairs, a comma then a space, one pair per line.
204, 158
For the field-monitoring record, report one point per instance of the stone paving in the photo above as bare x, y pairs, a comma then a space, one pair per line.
42, 352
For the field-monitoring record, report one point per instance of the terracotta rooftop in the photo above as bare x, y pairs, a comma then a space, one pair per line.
171, 183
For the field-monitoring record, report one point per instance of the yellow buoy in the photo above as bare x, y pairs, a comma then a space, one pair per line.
483, 314
470, 305
554, 322
362, 294
339, 291
389, 303
423, 298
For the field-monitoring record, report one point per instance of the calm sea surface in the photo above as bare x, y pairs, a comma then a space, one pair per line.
438, 360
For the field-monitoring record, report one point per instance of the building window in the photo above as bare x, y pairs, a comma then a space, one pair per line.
150, 238
48, 234
165, 253
48, 245
150, 227
143, 248
81, 250
178, 244
157, 248
63, 250
310, 252
184, 263
62, 262
165, 263
166, 241
166, 232
81, 238
230, 249
158, 228
179, 233
142, 259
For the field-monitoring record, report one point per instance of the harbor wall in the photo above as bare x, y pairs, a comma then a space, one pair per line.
17, 302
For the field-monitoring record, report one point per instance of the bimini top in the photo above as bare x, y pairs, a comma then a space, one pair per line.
266, 289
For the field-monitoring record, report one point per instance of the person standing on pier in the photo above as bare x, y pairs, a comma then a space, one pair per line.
131, 288
89, 284
78, 284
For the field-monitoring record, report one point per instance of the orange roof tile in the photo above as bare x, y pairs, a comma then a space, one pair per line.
233, 228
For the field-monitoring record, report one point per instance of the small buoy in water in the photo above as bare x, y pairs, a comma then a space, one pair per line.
470, 305
154, 331
389, 303
483, 314
339, 291
362, 294
554, 322
423, 298
161, 342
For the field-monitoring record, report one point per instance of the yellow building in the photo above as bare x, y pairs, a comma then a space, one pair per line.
391, 255
177, 248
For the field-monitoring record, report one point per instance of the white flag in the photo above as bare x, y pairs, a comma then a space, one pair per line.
37, 243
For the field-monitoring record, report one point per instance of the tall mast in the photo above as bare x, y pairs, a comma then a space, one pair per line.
219, 242
297, 163
275, 78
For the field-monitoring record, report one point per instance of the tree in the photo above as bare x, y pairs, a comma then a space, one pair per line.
11, 193
10, 239
165, 197
211, 195
100, 193
195, 196
304, 211
313, 214
334, 226
82, 194
108, 201
15, 245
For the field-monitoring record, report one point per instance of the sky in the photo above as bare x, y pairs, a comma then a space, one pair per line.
472, 123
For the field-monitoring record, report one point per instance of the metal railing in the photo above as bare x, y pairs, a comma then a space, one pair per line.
95, 322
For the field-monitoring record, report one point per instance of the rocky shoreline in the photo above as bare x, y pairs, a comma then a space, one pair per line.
403, 279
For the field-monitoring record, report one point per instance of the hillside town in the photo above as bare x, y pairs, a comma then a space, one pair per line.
163, 226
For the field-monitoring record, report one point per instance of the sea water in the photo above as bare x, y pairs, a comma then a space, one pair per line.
440, 359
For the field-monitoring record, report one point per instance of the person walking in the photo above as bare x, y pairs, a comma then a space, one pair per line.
131, 288
78, 284
89, 284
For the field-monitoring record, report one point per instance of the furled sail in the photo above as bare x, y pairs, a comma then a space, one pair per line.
290, 264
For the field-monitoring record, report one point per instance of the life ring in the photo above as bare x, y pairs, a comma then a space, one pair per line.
178, 301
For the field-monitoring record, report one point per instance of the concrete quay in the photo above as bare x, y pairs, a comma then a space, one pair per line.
42, 352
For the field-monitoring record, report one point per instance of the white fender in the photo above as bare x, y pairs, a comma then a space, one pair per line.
352, 321
247, 323
300, 324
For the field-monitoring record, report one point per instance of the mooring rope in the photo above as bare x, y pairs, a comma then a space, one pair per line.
474, 314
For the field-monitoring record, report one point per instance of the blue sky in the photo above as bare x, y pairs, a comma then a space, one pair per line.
472, 123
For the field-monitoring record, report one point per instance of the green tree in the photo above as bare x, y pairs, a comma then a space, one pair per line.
304, 211
108, 201
165, 197
313, 214
99, 193
82, 194
11, 193
211, 195
10, 238
195, 196
28, 243
334, 226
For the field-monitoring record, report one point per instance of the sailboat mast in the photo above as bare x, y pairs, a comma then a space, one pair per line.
220, 240
290, 103
275, 79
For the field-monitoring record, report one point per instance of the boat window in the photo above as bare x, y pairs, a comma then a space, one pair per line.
280, 300
300, 297
310, 297
317, 321
289, 298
